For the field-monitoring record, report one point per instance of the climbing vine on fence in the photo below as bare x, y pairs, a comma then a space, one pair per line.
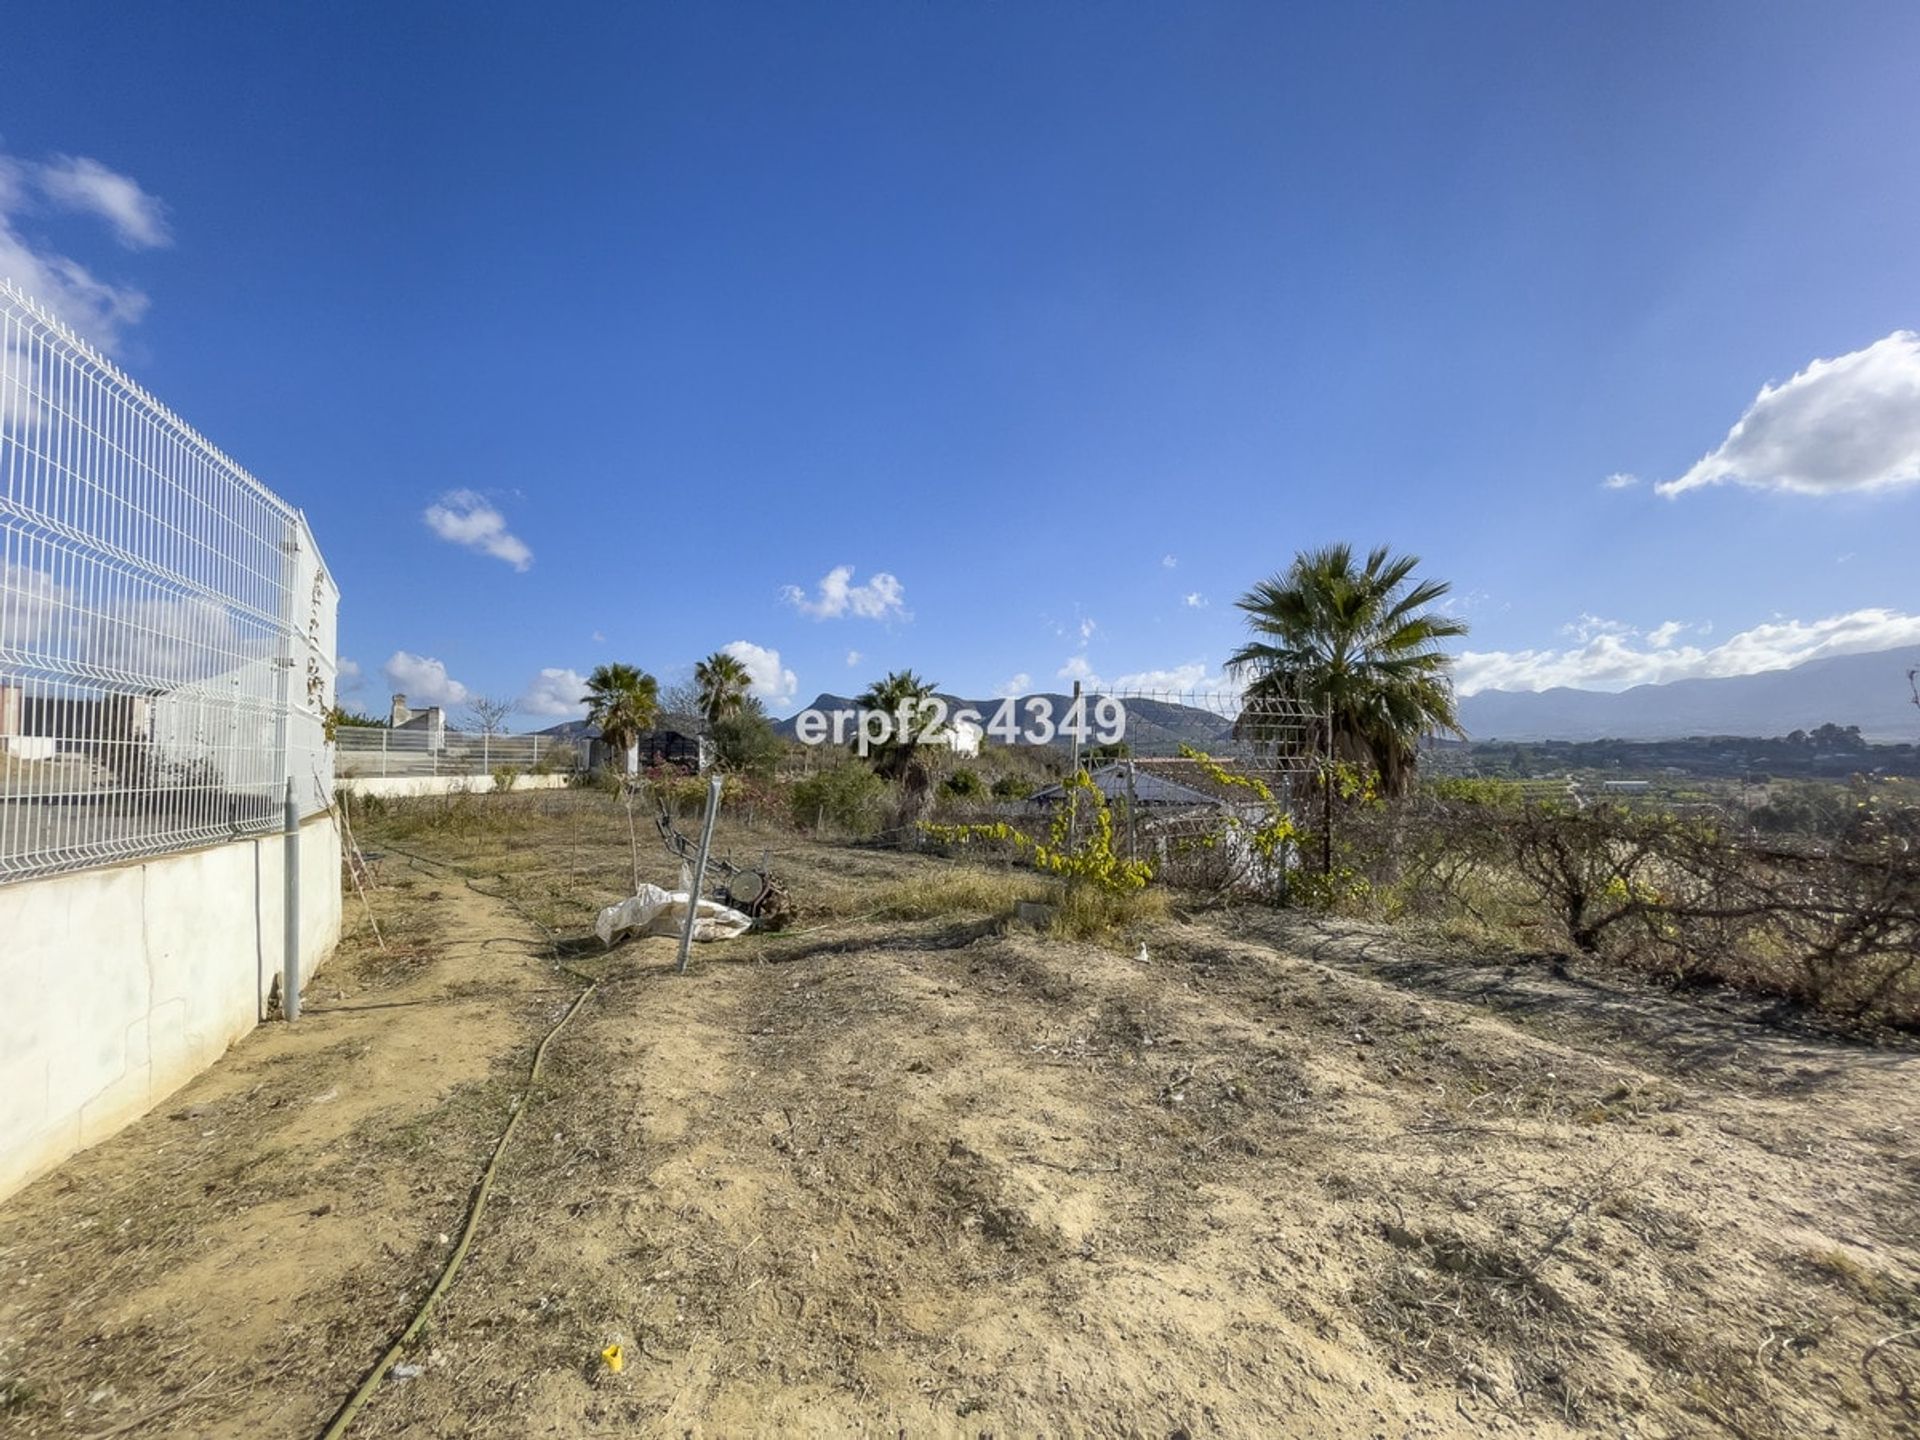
1090, 860
1267, 837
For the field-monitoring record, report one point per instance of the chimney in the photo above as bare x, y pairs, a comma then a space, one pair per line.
400, 714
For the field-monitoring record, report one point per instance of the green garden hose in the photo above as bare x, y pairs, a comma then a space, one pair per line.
344, 1417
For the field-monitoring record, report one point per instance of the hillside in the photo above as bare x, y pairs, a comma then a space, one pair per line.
1870, 691
1154, 727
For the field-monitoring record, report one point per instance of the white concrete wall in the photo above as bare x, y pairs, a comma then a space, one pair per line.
119, 985
404, 785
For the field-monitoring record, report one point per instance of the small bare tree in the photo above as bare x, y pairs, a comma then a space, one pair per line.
681, 698
488, 714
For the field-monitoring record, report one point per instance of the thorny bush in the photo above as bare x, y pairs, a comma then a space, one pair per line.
1087, 860
1833, 923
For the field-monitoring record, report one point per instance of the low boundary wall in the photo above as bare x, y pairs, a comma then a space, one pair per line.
123, 983
407, 785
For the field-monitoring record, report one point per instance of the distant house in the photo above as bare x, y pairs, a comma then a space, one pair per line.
1176, 814
37, 727
1151, 784
674, 743
962, 737
674, 748
432, 722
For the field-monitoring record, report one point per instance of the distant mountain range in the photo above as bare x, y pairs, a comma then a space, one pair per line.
1870, 691
574, 731
1153, 727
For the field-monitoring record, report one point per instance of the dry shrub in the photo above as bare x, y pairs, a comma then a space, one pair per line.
1832, 923
1079, 911
1091, 912
848, 799
957, 890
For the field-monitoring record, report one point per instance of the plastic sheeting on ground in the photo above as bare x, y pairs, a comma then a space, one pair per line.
654, 911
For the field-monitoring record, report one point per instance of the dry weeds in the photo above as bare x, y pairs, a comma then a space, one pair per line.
908, 1168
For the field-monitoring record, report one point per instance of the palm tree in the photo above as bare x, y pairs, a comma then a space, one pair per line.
893, 757
1358, 646
722, 681
622, 701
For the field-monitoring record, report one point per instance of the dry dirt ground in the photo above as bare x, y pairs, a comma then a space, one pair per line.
943, 1176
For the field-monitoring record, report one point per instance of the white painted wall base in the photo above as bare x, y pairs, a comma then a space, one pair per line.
119, 985
405, 785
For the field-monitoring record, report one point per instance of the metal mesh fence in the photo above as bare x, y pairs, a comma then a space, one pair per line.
166, 622
1265, 734
1190, 779
370, 752
1191, 819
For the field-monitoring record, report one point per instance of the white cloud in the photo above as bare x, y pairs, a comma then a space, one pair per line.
423, 680
771, 681
1195, 601
1852, 423
167, 640
1015, 685
152, 640
1192, 678
557, 692
96, 308
1169, 561
1087, 627
465, 517
21, 388
1465, 602
881, 598
347, 675
853, 657
1077, 668
598, 638
36, 612
1618, 657
1588, 627
1620, 480
78, 183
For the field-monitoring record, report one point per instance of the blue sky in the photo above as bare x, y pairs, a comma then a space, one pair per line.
1011, 341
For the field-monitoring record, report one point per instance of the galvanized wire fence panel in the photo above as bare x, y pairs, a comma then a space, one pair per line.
378, 752
166, 622
1255, 734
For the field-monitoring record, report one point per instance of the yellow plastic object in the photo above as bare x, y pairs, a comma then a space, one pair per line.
615, 1357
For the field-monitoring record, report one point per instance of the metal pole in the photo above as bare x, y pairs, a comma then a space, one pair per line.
290, 959
1326, 801
1133, 804
1286, 846
1073, 769
700, 868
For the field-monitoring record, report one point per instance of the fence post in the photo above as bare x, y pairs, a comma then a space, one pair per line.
700, 869
290, 862
1326, 802
1133, 804
1073, 771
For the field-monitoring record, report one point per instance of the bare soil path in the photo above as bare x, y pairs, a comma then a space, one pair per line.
944, 1177
233, 1255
